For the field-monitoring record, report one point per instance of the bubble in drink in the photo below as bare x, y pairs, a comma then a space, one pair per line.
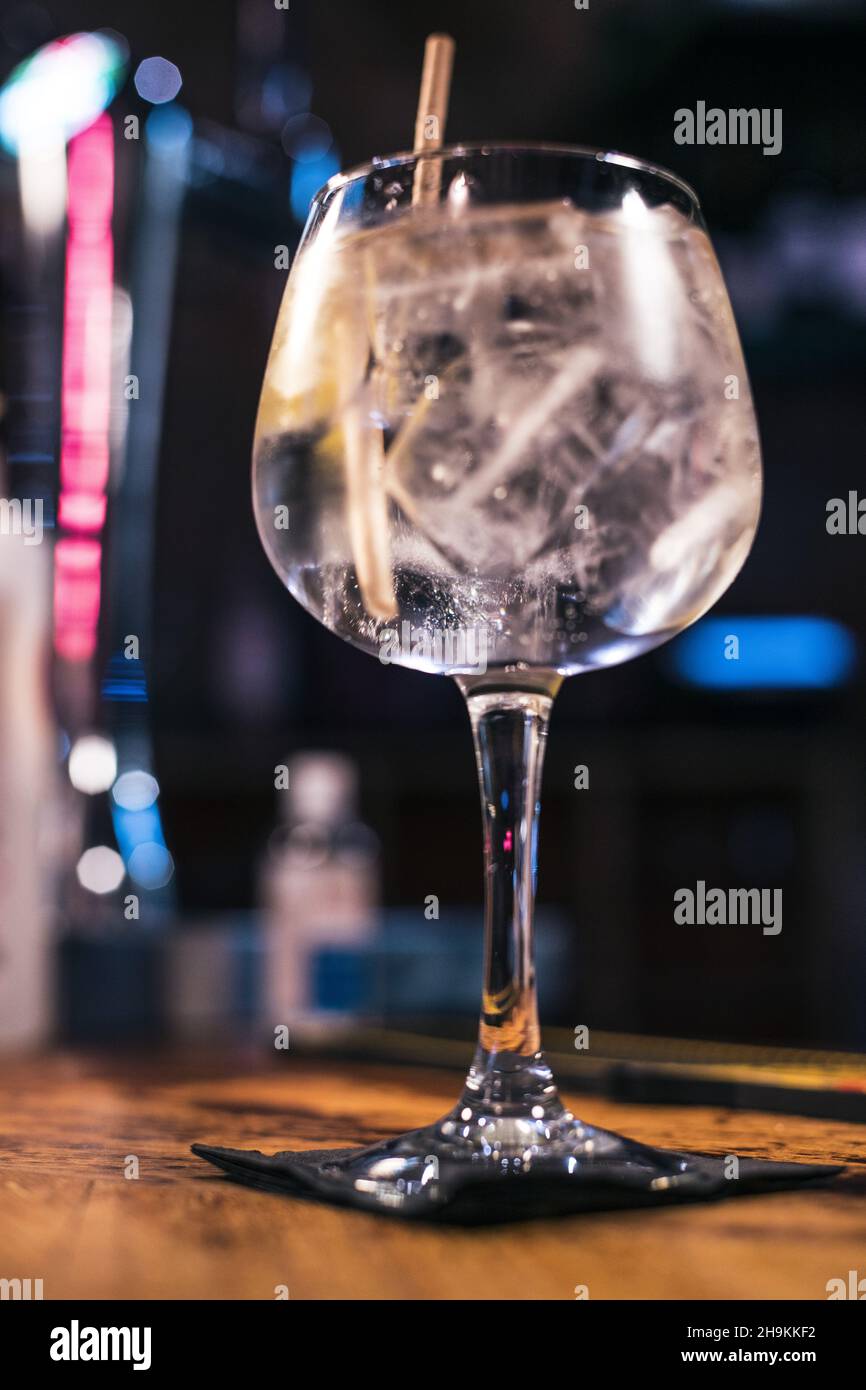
526, 424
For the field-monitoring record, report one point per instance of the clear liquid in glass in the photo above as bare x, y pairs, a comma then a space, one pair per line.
548, 417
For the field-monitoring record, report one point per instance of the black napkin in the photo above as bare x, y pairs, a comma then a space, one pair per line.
464, 1195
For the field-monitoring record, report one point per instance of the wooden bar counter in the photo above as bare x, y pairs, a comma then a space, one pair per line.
74, 1130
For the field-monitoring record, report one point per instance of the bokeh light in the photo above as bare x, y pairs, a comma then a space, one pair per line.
151, 865
306, 137
100, 869
168, 129
92, 764
60, 90
157, 80
135, 790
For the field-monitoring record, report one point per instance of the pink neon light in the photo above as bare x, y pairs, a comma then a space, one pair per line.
81, 511
76, 597
85, 390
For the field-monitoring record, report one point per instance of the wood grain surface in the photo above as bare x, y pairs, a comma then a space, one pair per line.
69, 1125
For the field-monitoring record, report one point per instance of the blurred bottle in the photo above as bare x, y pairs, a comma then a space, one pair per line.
321, 893
27, 794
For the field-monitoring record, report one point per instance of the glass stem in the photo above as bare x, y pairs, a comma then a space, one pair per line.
509, 1073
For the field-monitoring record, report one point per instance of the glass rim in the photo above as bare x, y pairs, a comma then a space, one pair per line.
388, 161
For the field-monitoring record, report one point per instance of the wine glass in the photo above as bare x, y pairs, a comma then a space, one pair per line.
506, 435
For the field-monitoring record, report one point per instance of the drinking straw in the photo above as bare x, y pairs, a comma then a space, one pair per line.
432, 115
367, 502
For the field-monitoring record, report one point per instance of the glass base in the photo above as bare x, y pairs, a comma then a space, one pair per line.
510, 1127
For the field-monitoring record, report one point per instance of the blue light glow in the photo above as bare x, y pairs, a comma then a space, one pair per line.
308, 178
306, 138
134, 828
150, 865
168, 128
773, 653
125, 680
141, 841
138, 831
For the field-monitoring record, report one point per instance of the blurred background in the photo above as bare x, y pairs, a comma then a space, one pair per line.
204, 795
